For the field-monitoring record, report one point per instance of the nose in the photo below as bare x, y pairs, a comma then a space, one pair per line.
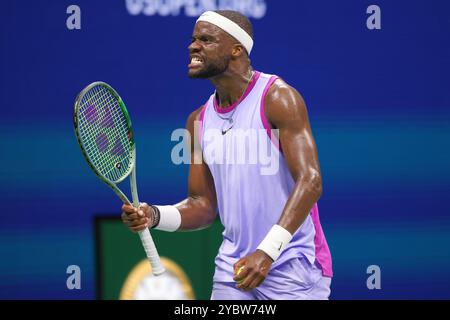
194, 46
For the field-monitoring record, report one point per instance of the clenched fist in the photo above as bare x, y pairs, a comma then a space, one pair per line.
137, 219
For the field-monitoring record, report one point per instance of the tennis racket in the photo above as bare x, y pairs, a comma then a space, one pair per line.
104, 133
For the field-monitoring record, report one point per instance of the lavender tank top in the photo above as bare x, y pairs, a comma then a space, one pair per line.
253, 182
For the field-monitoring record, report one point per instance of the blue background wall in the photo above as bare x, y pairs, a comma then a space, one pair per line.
379, 103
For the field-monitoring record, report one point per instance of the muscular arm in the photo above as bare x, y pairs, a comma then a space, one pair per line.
286, 111
198, 210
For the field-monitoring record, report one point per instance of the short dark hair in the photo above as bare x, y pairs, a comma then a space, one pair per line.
238, 18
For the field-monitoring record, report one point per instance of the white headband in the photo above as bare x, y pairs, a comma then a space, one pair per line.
230, 27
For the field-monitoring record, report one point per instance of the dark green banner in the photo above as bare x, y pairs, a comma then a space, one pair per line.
188, 257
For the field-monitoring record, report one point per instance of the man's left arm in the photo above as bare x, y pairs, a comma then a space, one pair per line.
286, 111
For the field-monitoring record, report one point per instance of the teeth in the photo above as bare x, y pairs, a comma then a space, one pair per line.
196, 60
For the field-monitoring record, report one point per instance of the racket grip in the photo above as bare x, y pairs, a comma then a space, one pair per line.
152, 253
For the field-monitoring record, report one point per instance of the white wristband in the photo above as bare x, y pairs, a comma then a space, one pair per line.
275, 241
169, 218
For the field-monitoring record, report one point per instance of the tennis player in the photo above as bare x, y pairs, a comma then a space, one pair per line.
273, 244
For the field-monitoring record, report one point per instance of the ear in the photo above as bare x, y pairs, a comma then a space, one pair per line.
237, 51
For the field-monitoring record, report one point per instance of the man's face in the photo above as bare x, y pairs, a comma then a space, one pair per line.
209, 51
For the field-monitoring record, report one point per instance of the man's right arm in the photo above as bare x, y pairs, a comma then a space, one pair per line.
198, 210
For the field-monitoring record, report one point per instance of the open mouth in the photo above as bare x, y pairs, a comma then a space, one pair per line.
195, 62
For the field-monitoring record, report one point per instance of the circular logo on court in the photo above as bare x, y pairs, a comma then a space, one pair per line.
141, 284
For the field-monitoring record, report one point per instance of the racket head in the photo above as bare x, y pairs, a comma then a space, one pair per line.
104, 132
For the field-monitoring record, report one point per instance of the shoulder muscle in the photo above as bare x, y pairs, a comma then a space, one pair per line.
284, 103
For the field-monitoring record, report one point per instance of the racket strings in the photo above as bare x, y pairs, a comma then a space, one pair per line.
109, 120
106, 160
103, 130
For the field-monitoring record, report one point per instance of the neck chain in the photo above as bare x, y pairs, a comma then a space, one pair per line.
229, 119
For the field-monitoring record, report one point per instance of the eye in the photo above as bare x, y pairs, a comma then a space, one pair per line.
205, 39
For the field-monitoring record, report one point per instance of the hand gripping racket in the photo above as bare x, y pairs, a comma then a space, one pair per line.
104, 133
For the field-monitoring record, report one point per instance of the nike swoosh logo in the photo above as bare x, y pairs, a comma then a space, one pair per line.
225, 131
281, 244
